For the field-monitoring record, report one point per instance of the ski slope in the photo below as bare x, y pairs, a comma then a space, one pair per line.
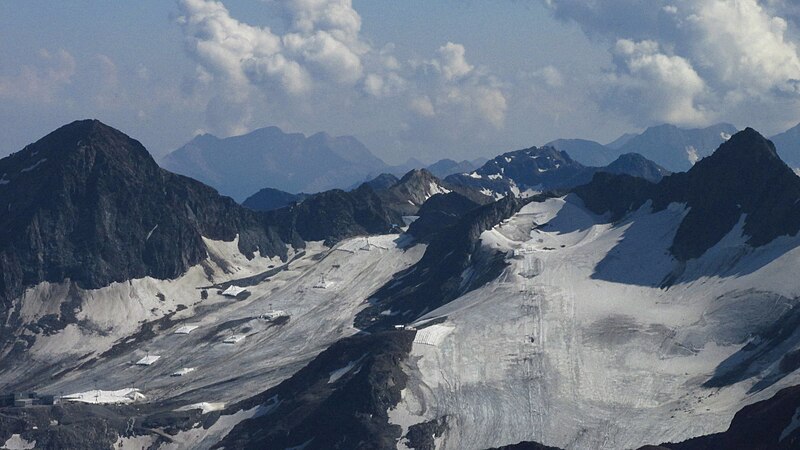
576, 346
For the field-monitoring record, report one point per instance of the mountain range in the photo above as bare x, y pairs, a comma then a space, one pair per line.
616, 306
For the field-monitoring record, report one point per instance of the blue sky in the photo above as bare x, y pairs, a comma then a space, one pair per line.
427, 79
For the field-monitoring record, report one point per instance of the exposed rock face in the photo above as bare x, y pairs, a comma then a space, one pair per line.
547, 169
87, 203
338, 401
334, 215
241, 165
268, 199
636, 165
770, 424
438, 277
744, 176
438, 213
382, 182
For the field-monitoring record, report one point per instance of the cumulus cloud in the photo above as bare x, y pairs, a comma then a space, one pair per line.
650, 77
321, 57
719, 57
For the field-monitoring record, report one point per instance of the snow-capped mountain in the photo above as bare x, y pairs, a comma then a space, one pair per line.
533, 170
239, 166
615, 314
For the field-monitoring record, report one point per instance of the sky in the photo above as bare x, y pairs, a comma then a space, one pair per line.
424, 79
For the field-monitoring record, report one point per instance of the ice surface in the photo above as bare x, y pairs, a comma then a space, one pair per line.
566, 351
432, 335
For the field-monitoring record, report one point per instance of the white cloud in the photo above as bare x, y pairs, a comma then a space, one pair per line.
664, 87
322, 60
725, 58
452, 62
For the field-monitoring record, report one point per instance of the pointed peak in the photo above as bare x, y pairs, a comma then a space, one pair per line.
415, 174
745, 147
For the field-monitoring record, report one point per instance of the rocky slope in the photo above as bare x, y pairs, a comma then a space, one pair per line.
89, 204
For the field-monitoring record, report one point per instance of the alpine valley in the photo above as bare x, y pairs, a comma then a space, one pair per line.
643, 295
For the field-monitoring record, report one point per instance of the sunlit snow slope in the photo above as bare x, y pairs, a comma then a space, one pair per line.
577, 346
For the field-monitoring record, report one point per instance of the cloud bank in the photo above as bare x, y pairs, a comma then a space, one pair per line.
695, 61
321, 59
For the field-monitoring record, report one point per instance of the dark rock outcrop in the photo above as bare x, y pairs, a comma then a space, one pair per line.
268, 199
439, 212
334, 215
441, 275
546, 169
766, 425
87, 203
319, 410
744, 176
636, 165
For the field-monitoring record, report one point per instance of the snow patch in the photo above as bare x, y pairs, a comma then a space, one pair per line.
17, 442
339, 373
206, 407
475, 175
35, 165
186, 329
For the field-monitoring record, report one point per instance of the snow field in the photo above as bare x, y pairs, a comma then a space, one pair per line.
586, 351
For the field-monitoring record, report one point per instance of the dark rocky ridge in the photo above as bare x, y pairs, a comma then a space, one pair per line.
744, 176
636, 165
334, 215
439, 212
437, 278
349, 413
268, 199
87, 203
